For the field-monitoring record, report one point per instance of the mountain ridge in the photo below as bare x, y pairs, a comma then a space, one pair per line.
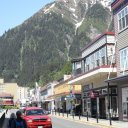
40, 49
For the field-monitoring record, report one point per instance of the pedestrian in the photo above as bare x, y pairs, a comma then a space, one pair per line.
12, 118
6, 111
19, 122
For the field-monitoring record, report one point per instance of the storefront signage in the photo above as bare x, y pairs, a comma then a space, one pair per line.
87, 87
93, 94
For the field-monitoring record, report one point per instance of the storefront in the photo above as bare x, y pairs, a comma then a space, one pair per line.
125, 103
95, 101
122, 90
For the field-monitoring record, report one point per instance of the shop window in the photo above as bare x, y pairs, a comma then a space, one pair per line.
114, 90
125, 103
114, 106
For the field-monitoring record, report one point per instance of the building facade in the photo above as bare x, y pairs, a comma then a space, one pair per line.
66, 95
11, 88
120, 14
6, 99
91, 69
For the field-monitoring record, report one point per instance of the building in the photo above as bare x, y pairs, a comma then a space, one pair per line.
66, 95
91, 70
43, 93
47, 96
50, 93
6, 99
22, 93
18, 93
10, 88
120, 14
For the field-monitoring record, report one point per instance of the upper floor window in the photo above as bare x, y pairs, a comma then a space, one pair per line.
124, 59
77, 65
103, 53
123, 19
88, 63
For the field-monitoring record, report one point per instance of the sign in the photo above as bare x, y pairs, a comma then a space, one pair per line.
93, 94
87, 87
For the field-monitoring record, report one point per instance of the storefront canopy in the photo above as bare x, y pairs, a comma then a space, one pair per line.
123, 78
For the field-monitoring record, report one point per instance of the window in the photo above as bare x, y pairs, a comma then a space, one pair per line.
97, 56
123, 19
92, 64
125, 103
124, 59
103, 51
88, 63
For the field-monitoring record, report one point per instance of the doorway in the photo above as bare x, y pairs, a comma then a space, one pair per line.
102, 108
93, 107
125, 111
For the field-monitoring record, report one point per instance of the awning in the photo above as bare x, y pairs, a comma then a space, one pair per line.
118, 79
46, 101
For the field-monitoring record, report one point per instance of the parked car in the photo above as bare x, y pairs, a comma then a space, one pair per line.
36, 118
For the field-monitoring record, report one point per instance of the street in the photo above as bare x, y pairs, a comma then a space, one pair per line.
57, 122
62, 123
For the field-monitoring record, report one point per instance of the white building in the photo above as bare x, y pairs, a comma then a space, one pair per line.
23, 94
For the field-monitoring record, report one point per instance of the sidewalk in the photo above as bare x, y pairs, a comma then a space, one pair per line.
93, 121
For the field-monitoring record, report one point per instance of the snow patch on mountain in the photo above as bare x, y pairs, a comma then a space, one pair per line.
75, 3
46, 10
72, 9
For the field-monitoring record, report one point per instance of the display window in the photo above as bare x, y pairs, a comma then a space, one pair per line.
125, 103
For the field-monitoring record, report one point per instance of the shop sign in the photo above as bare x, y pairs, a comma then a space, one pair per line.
93, 94
87, 87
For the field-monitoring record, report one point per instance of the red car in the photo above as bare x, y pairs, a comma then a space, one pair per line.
36, 118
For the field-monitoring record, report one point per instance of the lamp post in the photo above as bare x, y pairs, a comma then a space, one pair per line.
109, 107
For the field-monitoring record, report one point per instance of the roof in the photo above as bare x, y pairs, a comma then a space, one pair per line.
3, 94
97, 38
116, 3
118, 79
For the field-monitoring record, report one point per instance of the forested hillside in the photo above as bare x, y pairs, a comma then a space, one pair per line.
41, 48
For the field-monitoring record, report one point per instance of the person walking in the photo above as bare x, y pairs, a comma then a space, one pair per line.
12, 118
19, 122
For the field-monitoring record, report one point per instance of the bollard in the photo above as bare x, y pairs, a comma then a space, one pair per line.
110, 119
63, 113
59, 112
87, 115
73, 115
55, 112
79, 115
67, 114
97, 117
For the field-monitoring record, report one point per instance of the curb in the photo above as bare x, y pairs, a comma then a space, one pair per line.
84, 122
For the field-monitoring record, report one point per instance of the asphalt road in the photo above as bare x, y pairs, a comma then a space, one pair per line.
62, 123
57, 122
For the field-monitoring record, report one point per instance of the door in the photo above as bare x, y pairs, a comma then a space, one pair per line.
93, 107
125, 111
102, 108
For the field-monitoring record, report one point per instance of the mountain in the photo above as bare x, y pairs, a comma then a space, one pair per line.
40, 49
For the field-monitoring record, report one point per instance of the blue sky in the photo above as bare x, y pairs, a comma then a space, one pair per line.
14, 12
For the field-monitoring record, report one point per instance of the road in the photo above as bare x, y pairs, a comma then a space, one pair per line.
57, 122
62, 123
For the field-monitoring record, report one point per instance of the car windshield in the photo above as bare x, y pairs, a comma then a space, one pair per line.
35, 112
